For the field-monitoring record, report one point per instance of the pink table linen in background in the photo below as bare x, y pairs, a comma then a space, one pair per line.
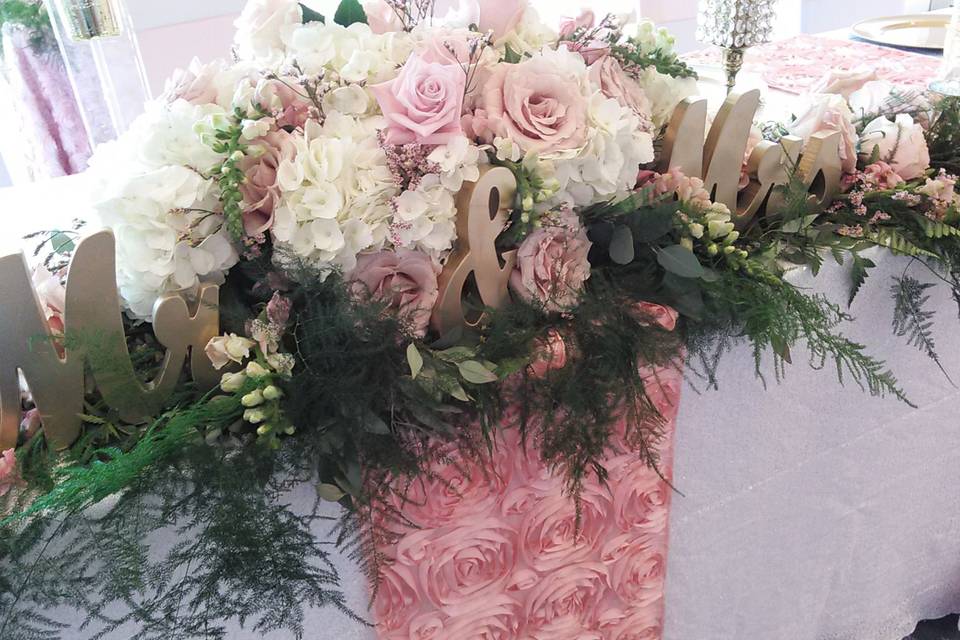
496, 554
796, 64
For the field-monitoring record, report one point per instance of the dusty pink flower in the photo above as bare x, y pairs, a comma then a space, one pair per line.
285, 100
882, 175
901, 143
424, 103
844, 82
550, 353
30, 423
608, 75
278, 310
534, 103
197, 84
828, 113
404, 280
261, 189
53, 297
501, 16
8, 471
568, 26
685, 188
381, 17
755, 138
447, 47
649, 313
552, 264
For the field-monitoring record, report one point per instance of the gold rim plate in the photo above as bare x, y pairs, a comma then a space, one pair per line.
917, 31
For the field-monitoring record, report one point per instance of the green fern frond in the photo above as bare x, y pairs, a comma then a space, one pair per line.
895, 241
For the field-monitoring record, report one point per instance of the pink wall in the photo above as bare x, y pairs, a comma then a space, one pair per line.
166, 49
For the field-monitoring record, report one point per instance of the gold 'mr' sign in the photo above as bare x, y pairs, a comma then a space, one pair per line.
93, 314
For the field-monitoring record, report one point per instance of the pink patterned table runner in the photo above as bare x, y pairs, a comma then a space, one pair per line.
796, 64
497, 555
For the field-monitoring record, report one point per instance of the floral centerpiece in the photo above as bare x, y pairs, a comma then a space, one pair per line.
316, 180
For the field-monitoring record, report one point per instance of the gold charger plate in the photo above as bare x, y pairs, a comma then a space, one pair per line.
918, 31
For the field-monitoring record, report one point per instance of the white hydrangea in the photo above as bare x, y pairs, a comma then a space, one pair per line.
337, 192
162, 208
351, 54
665, 93
530, 36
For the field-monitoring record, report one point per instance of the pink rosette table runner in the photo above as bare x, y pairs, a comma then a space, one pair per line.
496, 555
796, 64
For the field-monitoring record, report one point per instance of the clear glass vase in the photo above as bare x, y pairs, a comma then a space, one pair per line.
102, 56
947, 81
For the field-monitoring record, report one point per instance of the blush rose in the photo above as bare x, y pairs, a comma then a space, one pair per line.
552, 265
423, 104
899, 143
404, 280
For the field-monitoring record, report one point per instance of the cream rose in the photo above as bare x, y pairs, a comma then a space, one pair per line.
829, 113
900, 143
223, 350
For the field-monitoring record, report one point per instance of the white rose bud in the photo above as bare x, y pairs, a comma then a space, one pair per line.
255, 370
696, 230
254, 416
252, 399
272, 393
232, 382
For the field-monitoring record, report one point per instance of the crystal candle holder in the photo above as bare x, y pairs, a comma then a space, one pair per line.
735, 25
88, 19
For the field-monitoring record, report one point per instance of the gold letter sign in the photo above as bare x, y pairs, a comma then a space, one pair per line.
94, 331
482, 211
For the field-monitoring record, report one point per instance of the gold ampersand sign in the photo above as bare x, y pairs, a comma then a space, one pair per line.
94, 340
483, 210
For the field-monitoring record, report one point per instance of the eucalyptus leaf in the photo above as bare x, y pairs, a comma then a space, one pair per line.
511, 57
475, 373
62, 243
621, 246
350, 12
415, 360
651, 225
330, 493
680, 261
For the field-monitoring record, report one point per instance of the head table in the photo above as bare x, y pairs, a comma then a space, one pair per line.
804, 512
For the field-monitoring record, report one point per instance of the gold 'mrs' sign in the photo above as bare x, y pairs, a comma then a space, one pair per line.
94, 341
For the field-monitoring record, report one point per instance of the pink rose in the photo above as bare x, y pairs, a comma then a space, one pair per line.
844, 82
552, 265
197, 84
381, 16
608, 75
286, 103
649, 313
8, 471
535, 104
900, 143
549, 535
549, 354
569, 26
261, 189
424, 103
397, 597
30, 423
881, 175
574, 591
447, 47
640, 623
501, 16
459, 564
495, 617
53, 297
404, 280
829, 113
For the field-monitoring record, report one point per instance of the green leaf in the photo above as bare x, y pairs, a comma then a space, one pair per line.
415, 360
859, 275
511, 56
621, 246
329, 492
309, 15
350, 12
781, 348
61, 243
456, 355
475, 373
680, 261
651, 225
